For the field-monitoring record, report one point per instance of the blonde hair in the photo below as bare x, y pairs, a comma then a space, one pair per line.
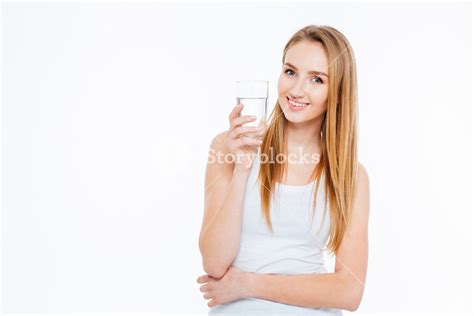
339, 133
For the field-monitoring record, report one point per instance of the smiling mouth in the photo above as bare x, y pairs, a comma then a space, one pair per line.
296, 105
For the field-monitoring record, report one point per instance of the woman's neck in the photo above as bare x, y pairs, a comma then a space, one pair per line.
304, 137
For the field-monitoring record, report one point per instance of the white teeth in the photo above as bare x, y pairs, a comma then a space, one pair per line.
297, 104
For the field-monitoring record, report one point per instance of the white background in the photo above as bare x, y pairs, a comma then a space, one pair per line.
108, 111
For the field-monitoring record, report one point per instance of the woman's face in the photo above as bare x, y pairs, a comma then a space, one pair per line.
303, 78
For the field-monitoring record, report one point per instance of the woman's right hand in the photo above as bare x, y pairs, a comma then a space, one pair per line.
243, 141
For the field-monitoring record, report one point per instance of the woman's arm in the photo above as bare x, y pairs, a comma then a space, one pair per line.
328, 290
342, 289
219, 239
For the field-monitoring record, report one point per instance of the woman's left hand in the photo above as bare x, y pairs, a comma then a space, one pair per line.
233, 285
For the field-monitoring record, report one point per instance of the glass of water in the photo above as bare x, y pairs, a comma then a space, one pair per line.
253, 94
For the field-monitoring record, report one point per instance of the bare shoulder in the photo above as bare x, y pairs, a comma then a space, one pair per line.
362, 174
362, 194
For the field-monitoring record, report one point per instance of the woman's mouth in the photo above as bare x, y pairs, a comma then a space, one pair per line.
296, 106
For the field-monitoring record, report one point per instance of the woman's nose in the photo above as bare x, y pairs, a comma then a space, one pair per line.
299, 89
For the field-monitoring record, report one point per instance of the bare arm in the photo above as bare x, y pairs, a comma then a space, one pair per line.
220, 236
225, 187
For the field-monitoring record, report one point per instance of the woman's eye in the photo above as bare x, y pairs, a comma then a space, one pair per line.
318, 79
286, 71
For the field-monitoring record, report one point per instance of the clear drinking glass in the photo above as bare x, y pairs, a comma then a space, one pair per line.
253, 94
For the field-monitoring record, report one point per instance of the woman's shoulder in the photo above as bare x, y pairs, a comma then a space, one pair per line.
362, 181
362, 173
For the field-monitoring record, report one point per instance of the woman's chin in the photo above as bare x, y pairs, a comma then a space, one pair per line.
295, 120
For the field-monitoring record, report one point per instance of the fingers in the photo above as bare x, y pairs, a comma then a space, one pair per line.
212, 303
207, 293
248, 141
203, 279
235, 112
238, 131
204, 288
242, 139
241, 120
262, 127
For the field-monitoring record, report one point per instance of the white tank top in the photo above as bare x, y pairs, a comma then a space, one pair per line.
294, 247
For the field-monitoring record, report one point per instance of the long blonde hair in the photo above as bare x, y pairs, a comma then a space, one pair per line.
339, 133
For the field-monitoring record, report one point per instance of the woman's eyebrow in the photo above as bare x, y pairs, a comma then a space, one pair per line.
309, 72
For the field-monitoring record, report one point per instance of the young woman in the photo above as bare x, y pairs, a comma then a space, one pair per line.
259, 249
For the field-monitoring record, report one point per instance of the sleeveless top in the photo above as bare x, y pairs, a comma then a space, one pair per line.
294, 247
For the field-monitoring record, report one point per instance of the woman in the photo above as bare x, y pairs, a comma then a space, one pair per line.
259, 249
